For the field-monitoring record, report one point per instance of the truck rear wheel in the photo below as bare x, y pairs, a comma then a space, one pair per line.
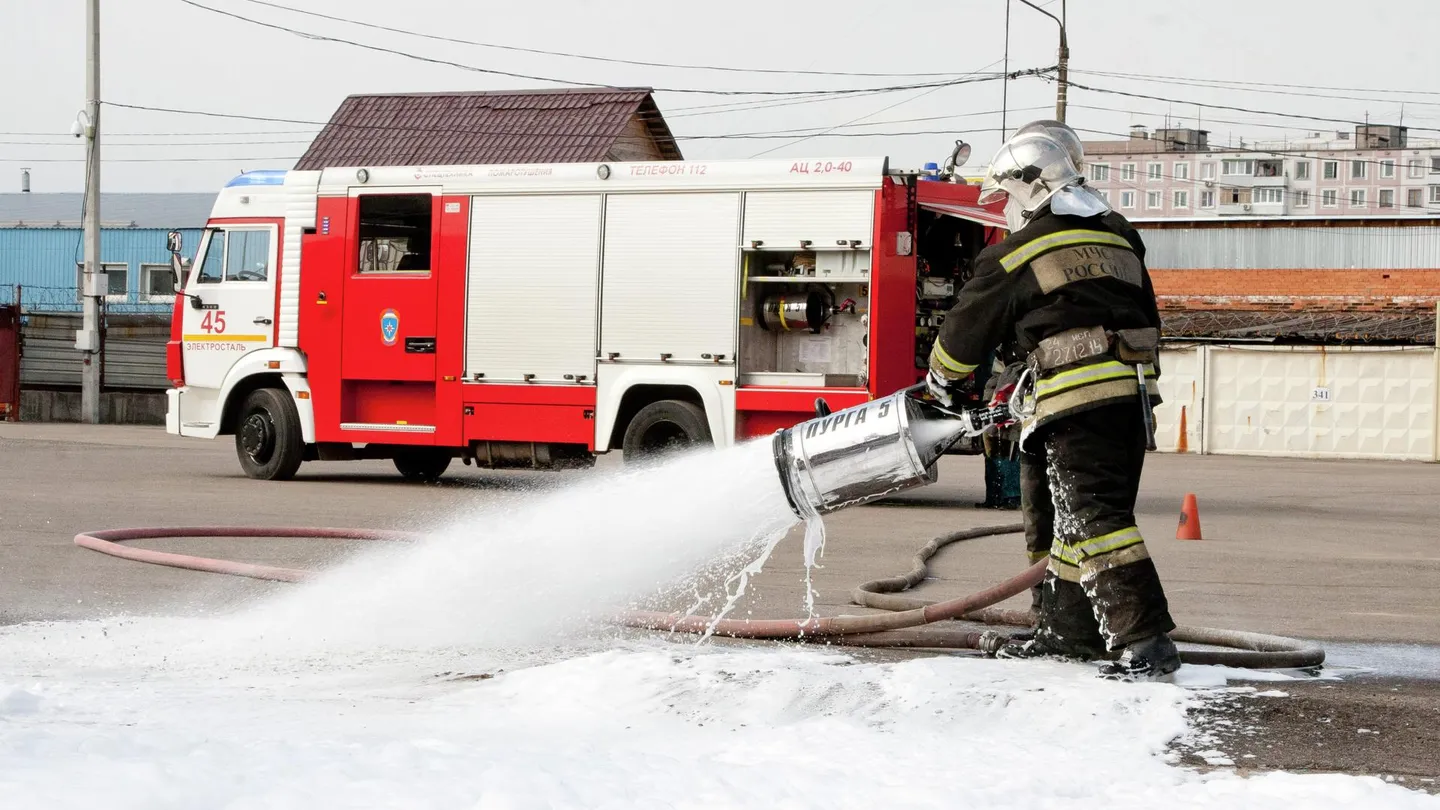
665, 427
267, 435
422, 463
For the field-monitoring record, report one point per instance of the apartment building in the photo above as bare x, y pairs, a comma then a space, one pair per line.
1374, 171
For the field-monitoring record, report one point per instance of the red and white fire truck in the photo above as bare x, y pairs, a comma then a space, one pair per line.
540, 315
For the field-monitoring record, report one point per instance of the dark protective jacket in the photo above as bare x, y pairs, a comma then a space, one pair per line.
1057, 275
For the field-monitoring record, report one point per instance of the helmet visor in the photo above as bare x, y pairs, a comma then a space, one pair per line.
990, 191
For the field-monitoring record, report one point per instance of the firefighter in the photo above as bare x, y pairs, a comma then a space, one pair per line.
1068, 291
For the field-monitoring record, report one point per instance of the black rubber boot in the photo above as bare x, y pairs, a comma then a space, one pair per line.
1149, 659
1033, 644
1065, 627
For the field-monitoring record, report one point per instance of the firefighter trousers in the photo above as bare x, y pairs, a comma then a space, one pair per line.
1078, 487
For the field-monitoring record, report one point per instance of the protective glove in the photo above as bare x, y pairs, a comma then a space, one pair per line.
944, 384
942, 388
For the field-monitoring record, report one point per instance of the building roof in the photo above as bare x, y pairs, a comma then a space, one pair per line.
63, 210
509, 126
1415, 327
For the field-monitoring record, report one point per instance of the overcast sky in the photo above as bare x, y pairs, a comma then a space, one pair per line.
169, 54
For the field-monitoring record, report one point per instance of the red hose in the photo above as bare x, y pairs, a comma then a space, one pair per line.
108, 542
839, 625
901, 628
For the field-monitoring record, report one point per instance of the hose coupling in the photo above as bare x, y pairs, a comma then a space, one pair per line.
991, 641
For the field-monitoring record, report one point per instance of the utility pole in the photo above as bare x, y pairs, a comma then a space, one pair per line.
1062, 75
95, 283
1005, 82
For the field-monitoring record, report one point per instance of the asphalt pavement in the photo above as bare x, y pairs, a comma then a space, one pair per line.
1331, 550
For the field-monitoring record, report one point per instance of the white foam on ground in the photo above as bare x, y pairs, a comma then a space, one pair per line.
1200, 675
343, 693
139, 715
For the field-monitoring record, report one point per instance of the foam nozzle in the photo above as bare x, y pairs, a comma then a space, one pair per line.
864, 452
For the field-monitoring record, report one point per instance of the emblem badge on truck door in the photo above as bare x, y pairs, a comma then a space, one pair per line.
389, 326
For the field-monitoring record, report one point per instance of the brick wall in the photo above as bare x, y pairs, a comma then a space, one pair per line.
1353, 290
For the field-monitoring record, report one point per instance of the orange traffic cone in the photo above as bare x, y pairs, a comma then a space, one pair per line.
1189, 528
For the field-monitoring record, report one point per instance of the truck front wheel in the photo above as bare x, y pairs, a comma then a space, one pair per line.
665, 427
267, 435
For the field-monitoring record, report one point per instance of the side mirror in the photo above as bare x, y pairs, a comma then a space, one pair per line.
173, 241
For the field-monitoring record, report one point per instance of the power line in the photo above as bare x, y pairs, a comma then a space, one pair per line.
852, 121
587, 57
169, 144
1273, 114
229, 133
247, 159
733, 136
1278, 90
496, 72
1161, 78
524, 132
1208, 120
67, 136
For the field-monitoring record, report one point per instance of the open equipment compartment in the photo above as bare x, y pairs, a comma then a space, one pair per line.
805, 289
947, 248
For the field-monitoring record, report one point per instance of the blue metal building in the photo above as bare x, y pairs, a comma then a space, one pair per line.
41, 248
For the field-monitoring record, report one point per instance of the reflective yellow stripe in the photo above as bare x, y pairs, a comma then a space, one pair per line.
1095, 566
1106, 543
1021, 255
1085, 375
951, 363
1081, 396
1063, 553
1063, 570
1037, 556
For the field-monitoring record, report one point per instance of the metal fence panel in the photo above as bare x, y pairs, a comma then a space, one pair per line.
134, 354
1297, 248
135, 362
50, 358
1177, 419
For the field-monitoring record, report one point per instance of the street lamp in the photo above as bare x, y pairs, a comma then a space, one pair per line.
1062, 74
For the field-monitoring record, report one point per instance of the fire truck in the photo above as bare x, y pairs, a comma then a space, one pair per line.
540, 316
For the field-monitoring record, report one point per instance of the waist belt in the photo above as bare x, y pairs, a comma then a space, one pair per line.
1130, 346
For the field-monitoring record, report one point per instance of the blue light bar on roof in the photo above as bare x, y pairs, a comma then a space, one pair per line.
262, 177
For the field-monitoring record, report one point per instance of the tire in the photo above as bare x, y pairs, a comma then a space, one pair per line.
425, 464
267, 435
665, 427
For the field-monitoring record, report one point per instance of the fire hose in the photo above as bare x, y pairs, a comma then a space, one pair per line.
910, 622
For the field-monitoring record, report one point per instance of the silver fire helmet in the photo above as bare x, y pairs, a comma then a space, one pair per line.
1033, 167
1063, 134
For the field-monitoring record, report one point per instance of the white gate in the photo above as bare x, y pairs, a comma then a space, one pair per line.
1311, 401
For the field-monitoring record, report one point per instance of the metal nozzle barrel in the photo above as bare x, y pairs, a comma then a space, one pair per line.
862, 453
